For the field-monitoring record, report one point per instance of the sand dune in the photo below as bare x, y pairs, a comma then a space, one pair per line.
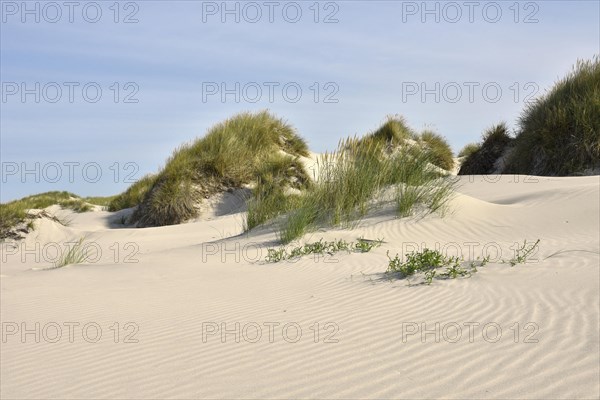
173, 289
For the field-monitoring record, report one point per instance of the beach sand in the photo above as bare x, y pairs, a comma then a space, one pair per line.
190, 311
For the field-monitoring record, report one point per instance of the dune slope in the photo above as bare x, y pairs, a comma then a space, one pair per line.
314, 328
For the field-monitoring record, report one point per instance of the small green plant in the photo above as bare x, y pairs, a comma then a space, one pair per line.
416, 262
365, 246
521, 253
276, 255
482, 263
321, 247
429, 275
428, 262
77, 254
454, 270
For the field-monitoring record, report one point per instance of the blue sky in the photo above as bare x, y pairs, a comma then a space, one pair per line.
374, 58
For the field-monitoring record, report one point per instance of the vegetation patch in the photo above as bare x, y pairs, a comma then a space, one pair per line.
321, 248
560, 132
271, 195
522, 253
427, 265
430, 264
352, 179
15, 220
482, 159
469, 149
76, 254
232, 154
439, 150
133, 195
392, 133
349, 184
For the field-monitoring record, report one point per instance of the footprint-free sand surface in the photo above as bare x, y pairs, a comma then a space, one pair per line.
191, 311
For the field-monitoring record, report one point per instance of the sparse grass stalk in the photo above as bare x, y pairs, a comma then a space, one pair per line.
522, 253
77, 254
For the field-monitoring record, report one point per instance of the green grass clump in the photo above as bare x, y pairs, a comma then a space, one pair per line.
15, 212
11, 215
230, 155
393, 132
469, 149
134, 195
269, 197
496, 141
77, 205
321, 248
560, 132
352, 178
439, 149
103, 201
433, 195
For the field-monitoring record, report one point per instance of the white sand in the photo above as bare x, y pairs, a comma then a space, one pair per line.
171, 295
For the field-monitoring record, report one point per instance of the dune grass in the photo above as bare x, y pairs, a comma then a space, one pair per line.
133, 195
15, 212
273, 181
438, 148
103, 201
77, 254
393, 132
230, 155
352, 178
560, 132
469, 149
495, 142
